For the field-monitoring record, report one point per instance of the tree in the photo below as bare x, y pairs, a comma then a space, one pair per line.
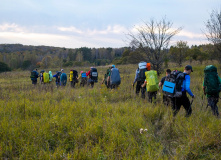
179, 52
213, 31
4, 67
153, 39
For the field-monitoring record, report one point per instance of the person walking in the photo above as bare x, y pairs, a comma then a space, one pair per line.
63, 78
183, 100
140, 78
34, 76
166, 100
211, 87
151, 83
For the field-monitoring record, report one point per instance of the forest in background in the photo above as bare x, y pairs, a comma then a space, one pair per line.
18, 56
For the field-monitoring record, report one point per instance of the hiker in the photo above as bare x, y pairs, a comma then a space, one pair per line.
140, 78
50, 76
57, 76
83, 78
180, 87
211, 87
151, 83
114, 77
105, 78
41, 76
93, 76
166, 100
63, 78
73, 77
34, 76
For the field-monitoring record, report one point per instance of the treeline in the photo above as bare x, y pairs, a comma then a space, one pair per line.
28, 57
17, 56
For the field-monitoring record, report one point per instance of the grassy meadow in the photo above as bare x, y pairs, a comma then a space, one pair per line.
45, 122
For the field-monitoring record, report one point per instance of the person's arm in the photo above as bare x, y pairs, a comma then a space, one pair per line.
187, 85
88, 73
136, 75
144, 84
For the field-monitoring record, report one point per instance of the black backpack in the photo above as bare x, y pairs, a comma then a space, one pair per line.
34, 74
58, 77
94, 74
141, 75
173, 84
75, 74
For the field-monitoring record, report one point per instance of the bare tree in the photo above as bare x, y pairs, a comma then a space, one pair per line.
153, 39
213, 31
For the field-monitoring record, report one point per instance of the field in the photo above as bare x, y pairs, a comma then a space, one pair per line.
45, 122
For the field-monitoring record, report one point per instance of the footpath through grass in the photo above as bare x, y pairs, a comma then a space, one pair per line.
43, 122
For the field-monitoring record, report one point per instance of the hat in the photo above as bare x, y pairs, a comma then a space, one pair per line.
62, 70
148, 66
113, 66
81, 71
189, 67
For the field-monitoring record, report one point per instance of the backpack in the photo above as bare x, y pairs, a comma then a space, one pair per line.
83, 75
172, 86
63, 79
34, 74
115, 77
152, 81
142, 69
94, 74
71, 75
75, 74
58, 77
46, 77
211, 80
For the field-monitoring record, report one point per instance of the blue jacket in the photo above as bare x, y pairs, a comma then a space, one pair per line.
186, 85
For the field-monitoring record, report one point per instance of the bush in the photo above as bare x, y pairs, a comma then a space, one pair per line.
4, 67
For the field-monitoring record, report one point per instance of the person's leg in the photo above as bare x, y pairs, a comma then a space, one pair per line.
186, 104
176, 104
149, 97
213, 104
138, 87
143, 91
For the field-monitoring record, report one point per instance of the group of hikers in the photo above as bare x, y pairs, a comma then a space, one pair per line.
175, 85
112, 77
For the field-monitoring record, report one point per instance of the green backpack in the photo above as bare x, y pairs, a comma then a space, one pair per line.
211, 80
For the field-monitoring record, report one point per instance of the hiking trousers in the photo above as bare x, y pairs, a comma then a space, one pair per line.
184, 101
151, 95
138, 88
212, 102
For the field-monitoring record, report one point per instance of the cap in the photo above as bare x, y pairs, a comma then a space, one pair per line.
81, 71
113, 66
62, 70
189, 67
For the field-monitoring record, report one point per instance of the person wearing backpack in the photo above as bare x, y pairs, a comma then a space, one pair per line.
211, 87
106, 77
57, 76
93, 76
73, 77
140, 78
182, 86
114, 77
151, 83
63, 78
166, 100
41, 77
34, 76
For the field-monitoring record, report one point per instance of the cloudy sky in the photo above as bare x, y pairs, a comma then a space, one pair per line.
97, 23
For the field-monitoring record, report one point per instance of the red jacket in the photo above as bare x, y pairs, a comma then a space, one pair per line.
88, 74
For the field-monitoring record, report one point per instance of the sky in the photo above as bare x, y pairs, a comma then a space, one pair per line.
98, 23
